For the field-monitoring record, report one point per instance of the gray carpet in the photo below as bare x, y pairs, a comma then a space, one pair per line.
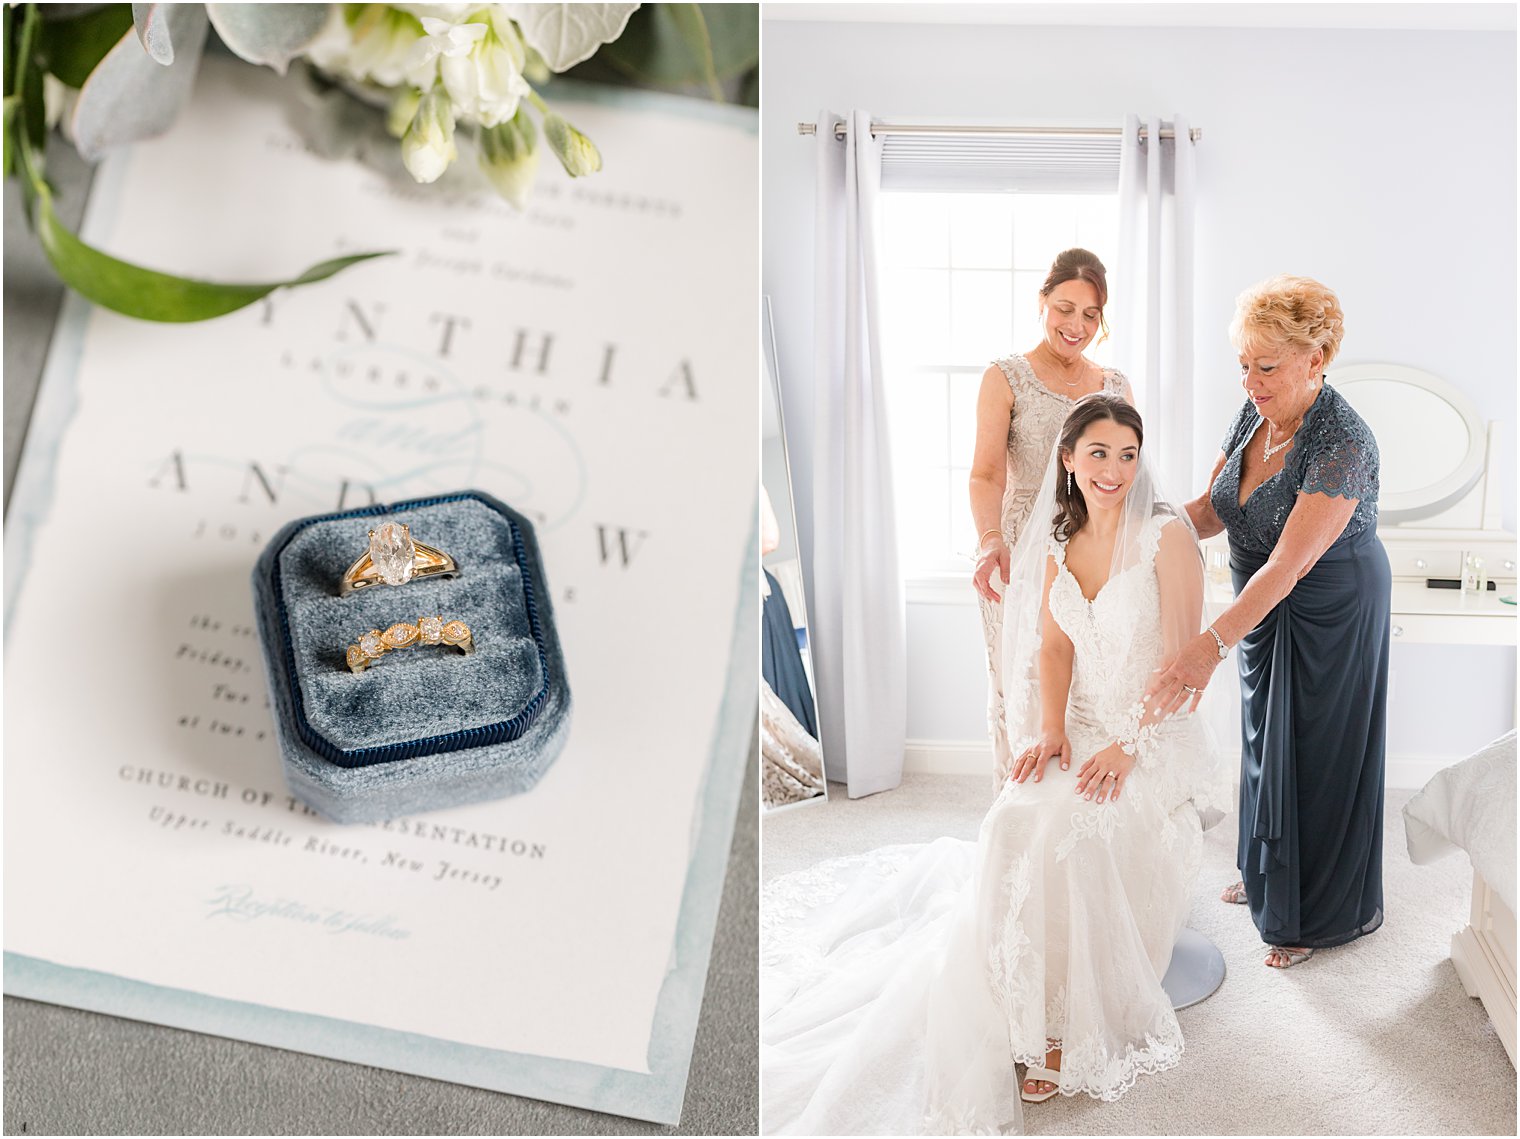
1374, 1038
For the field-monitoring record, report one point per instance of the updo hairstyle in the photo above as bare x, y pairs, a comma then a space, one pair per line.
1289, 312
1080, 265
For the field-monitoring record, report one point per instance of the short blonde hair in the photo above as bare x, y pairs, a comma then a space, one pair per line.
1289, 312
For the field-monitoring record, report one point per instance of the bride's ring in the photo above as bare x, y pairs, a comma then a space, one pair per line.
394, 557
1190, 689
427, 631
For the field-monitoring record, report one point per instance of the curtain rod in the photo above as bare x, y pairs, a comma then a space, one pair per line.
841, 131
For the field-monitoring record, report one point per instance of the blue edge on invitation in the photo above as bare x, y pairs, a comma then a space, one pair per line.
656, 1096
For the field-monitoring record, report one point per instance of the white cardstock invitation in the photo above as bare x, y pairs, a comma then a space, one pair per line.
590, 361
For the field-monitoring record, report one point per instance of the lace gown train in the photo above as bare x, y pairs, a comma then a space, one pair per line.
899, 988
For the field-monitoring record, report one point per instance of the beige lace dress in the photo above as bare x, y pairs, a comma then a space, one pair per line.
1033, 429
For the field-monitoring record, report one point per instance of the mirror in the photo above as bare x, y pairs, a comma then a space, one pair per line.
791, 758
1432, 444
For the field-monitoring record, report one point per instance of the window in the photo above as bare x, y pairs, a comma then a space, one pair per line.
960, 285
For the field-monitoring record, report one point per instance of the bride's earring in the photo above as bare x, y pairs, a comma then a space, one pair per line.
1068, 484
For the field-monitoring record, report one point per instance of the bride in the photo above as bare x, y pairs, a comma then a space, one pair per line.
900, 988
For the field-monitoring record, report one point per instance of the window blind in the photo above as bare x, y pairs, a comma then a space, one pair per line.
984, 163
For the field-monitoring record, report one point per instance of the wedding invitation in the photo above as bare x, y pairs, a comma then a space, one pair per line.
592, 362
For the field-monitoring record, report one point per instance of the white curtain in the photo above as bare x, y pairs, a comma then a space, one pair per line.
858, 616
1153, 290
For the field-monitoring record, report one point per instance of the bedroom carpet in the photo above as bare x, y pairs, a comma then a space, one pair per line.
1373, 1038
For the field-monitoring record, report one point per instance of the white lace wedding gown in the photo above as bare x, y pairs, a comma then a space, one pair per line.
900, 987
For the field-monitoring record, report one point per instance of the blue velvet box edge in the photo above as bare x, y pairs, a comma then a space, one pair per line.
434, 780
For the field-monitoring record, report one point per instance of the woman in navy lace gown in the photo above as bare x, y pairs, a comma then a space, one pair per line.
1296, 487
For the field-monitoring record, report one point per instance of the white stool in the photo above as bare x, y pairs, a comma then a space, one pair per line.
1197, 969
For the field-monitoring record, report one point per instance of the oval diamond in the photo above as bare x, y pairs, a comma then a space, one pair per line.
392, 552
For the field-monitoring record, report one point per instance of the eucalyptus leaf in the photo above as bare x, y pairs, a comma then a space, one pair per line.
268, 34
681, 45
129, 97
148, 294
73, 48
565, 34
154, 32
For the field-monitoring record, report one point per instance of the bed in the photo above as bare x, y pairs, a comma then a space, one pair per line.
1470, 806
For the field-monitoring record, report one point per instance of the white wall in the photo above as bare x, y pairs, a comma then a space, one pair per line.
1381, 162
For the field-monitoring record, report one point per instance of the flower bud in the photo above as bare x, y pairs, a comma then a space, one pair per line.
402, 111
576, 153
509, 156
428, 146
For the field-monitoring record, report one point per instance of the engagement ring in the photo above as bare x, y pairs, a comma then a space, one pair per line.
394, 557
427, 631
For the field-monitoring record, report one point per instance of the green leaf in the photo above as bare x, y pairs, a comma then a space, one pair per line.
31, 115
72, 48
148, 294
680, 45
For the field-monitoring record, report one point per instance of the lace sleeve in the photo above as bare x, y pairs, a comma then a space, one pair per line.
1179, 580
1342, 457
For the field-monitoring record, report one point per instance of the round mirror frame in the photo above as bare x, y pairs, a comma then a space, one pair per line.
1434, 497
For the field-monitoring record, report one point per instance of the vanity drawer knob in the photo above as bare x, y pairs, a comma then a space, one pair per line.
1420, 563
1509, 563
1398, 630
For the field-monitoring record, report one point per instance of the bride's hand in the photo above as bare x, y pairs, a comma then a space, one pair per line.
1184, 677
989, 559
1032, 760
1093, 778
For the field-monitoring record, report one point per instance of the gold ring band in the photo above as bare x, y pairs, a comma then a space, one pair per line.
427, 631
394, 557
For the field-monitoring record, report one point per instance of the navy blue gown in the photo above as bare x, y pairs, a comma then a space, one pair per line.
1313, 689
781, 659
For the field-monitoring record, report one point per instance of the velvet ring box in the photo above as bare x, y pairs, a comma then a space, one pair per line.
424, 727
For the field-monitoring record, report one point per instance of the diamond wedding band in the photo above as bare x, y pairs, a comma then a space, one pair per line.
427, 631
394, 557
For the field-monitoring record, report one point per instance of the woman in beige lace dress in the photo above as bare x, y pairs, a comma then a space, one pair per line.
1024, 399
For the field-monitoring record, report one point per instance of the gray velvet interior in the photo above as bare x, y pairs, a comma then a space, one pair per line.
481, 542
422, 690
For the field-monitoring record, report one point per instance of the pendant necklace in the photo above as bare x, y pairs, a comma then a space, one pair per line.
1266, 455
1070, 383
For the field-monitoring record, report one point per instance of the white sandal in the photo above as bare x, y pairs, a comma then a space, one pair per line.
1038, 1074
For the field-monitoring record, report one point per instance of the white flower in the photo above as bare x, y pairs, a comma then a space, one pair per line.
445, 38
479, 61
428, 146
509, 157
375, 46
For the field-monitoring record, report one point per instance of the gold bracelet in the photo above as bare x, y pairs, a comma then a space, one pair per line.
991, 530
